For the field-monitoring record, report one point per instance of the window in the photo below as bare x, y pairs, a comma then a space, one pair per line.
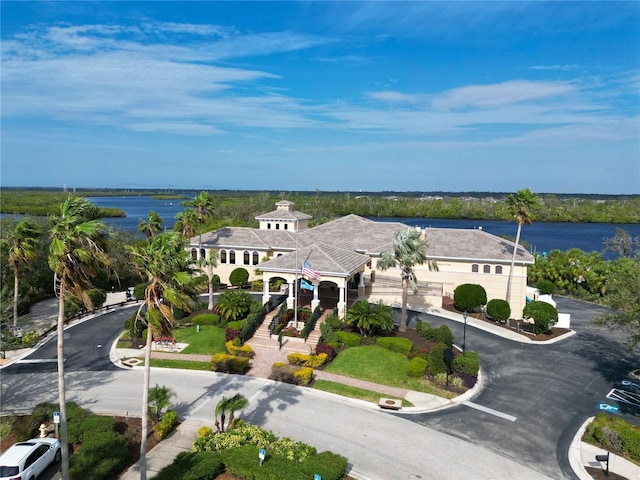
245, 257
203, 253
486, 269
232, 257
269, 226
286, 226
256, 259
194, 254
499, 269
277, 226
474, 268
223, 256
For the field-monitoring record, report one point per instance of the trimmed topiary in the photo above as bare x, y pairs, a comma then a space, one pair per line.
436, 360
349, 339
546, 287
469, 296
238, 277
544, 315
443, 334
396, 344
498, 309
417, 367
467, 363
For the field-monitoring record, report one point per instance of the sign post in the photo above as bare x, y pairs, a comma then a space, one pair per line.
261, 455
56, 422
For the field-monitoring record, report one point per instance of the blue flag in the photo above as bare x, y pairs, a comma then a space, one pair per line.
305, 285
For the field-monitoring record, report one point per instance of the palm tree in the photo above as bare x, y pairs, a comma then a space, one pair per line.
159, 398
76, 253
203, 203
520, 206
166, 264
152, 226
22, 242
234, 304
409, 250
228, 406
186, 223
368, 317
208, 264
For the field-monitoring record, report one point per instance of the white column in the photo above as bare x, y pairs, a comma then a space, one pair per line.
290, 299
361, 291
265, 290
342, 305
315, 302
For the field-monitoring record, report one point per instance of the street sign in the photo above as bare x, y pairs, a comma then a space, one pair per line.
261, 455
56, 417
608, 408
316, 477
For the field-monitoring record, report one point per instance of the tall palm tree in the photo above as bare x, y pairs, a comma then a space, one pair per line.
76, 253
228, 406
187, 221
520, 205
166, 264
409, 250
22, 243
204, 204
151, 226
208, 265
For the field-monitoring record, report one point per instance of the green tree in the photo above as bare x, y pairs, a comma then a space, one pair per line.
623, 296
622, 244
166, 264
22, 243
76, 253
238, 277
520, 205
159, 400
151, 226
228, 406
204, 204
544, 315
208, 265
409, 250
186, 223
369, 317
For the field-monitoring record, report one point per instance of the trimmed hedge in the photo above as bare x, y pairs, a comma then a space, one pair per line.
224, 363
165, 426
417, 367
312, 361
326, 349
281, 372
193, 466
469, 296
207, 319
467, 363
349, 339
396, 344
544, 315
436, 360
240, 351
499, 309
238, 277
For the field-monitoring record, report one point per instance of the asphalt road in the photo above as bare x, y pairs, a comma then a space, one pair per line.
537, 398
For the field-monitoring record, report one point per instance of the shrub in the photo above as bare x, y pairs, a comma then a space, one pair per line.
134, 327
333, 321
257, 285
238, 277
204, 431
469, 296
417, 367
425, 330
436, 360
224, 363
102, 453
207, 319
193, 466
349, 339
467, 363
396, 344
303, 375
443, 334
138, 291
236, 324
312, 361
326, 349
327, 333
97, 296
231, 334
615, 433
240, 351
165, 426
544, 315
498, 309
546, 287
282, 372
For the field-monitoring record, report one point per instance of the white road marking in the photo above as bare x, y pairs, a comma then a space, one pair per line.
38, 360
491, 411
624, 396
258, 392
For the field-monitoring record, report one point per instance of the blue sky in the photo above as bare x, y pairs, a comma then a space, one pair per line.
348, 96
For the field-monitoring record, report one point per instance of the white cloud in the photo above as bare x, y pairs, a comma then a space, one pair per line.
393, 97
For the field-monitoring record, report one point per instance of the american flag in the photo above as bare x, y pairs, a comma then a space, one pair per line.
309, 272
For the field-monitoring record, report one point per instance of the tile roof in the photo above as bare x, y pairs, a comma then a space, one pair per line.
283, 215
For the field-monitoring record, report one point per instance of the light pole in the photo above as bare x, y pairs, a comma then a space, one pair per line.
464, 333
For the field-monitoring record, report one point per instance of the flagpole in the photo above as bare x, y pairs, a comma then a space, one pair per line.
295, 286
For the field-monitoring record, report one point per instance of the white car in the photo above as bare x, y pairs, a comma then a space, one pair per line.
26, 460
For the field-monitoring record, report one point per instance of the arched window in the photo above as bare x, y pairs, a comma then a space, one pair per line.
286, 226
194, 254
499, 269
486, 269
269, 226
245, 257
256, 259
223, 256
474, 268
232, 257
279, 255
203, 253
277, 226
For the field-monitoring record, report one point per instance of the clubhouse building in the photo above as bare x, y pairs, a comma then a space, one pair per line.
340, 259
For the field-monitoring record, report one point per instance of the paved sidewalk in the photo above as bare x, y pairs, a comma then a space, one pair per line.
43, 316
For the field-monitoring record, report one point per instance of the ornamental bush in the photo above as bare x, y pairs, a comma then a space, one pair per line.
349, 339
436, 360
240, 351
467, 363
303, 376
469, 296
544, 315
546, 287
499, 309
257, 285
417, 367
193, 466
396, 344
138, 291
221, 362
312, 361
165, 426
238, 277
207, 319
443, 334
425, 330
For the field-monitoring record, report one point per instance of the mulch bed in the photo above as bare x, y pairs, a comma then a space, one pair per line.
526, 330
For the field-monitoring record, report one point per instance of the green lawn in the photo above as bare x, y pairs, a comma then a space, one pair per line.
354, 392
181, 364
208, 340
379, 365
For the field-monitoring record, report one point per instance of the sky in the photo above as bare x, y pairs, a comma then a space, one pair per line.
330, 96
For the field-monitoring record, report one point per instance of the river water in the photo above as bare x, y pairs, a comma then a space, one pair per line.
540, 237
